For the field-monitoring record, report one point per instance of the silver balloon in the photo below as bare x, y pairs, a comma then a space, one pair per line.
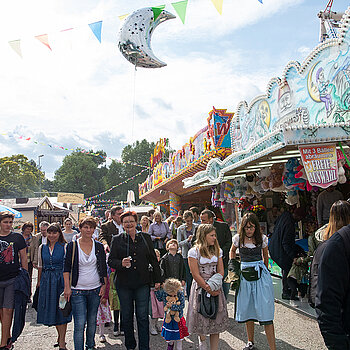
134, 40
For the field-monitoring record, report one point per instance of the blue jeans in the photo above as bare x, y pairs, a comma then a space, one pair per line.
189, 278
84, 306
139, 297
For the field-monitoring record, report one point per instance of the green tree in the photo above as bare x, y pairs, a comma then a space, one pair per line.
137, 153
19, 177
81, 173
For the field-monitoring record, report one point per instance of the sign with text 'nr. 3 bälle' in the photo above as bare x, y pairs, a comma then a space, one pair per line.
320, 163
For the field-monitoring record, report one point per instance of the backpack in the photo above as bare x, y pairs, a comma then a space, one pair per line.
316, 261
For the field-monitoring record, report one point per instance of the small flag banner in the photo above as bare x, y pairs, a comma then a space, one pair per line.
24, 138
115, 186
96, 27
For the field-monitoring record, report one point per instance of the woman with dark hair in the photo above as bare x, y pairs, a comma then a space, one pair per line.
89, 280
255, 298
133, 257
12, 249
50, 279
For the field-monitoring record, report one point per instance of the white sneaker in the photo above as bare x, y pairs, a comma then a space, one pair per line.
293, 303
102, 338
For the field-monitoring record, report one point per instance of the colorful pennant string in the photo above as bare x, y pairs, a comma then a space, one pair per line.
179, 6
75, 150
115, 186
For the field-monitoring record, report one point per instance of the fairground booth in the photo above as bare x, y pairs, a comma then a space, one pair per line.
164, 185
289, 144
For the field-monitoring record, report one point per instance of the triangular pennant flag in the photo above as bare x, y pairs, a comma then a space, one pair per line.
16, 46
96, 29
44, 38
180, 8
218, 5
260, 1
123, 16
157, 11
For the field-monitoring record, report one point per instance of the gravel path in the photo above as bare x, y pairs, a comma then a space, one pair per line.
293, 331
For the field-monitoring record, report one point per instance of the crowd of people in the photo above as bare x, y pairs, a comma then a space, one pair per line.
125, 270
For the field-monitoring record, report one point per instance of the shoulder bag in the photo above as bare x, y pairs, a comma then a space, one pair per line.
64, 305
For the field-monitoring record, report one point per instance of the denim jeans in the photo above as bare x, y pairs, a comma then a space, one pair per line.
84, 306
139, 297
189, 278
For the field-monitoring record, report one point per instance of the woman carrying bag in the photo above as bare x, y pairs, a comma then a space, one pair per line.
88, 283
133, 257
255, 298
50, 279
206, 315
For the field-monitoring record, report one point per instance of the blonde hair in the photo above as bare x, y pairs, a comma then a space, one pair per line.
201, 243
171, 286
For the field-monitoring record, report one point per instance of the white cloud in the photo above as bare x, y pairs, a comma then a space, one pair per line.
82, 92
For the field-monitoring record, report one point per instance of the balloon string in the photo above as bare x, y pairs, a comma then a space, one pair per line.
134, 103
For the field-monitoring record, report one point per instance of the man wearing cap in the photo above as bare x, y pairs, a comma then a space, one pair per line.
282, 245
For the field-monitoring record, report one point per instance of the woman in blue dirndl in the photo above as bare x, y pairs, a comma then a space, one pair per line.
50, 279
255, 296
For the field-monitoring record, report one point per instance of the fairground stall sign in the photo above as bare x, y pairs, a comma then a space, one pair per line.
309, 104
165, 181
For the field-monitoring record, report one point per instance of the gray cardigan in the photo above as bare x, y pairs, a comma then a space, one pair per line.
184, 244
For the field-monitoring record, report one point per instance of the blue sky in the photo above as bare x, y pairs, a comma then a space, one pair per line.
81, 93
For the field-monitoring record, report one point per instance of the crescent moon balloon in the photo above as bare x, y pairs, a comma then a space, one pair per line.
134, 39
311, 87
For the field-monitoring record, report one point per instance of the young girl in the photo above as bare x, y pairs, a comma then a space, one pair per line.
157, 308
103, 314
174, 328
205, 261
255, 298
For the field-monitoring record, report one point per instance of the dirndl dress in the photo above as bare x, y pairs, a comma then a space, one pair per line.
255, 299
51, 286
174, 330
197, 323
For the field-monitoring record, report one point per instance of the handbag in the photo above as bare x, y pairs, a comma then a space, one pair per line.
35, 299
150, 267
208, 305
250, 274
64, 305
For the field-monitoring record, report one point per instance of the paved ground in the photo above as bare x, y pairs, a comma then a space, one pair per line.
293, 331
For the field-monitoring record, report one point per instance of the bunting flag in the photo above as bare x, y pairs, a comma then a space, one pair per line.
122, 17
16, 46
115, 186
218, 5
180, 8
75, 150
44, 38
96, 29
260, 1
157, 11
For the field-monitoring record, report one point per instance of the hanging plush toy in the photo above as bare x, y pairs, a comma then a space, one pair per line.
240, 187
275, 179
264, 175
289, 179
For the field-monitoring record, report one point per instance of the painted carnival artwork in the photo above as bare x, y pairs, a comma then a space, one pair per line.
315, 93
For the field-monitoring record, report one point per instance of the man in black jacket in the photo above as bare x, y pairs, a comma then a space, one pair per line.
111, 228
333, 291
282, 245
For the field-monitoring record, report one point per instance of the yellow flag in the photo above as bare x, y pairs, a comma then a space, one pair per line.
218, 5
123, 16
